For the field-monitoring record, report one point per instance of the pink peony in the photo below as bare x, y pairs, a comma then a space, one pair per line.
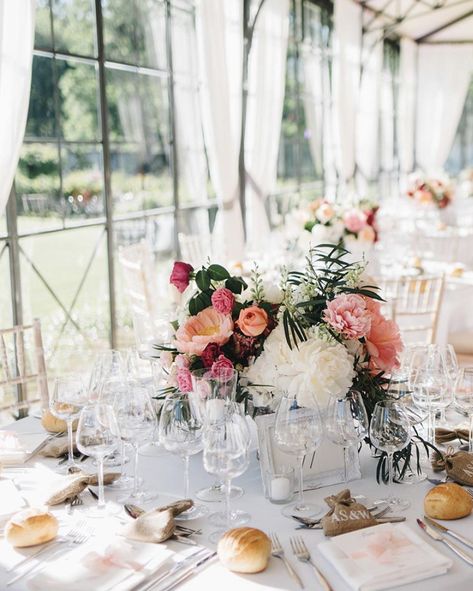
222, 368
184, 380
383, 341
223, 300
210, 354
208, 326
354, 220
180, 275
348, 315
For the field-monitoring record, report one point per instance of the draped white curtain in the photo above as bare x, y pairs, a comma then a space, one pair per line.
444, 74
407, 104
17, 19
346, 82
266, 84
367, 121
220, 51
313, 102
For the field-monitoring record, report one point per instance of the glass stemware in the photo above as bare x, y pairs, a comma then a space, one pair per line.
298, 431
347, 424
451, 366
213, 389
464, 398
97, 436
180, 432
67, 400
226, 455
137, 422
390, 432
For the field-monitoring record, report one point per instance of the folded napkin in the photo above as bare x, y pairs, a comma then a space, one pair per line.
157, 525
383, 556
443, 435
345, 515
11, 500
57, 448
17, 447
68, 487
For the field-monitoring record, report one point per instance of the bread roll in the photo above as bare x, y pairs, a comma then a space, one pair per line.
31, 527
53, 424
244, 550
447, 501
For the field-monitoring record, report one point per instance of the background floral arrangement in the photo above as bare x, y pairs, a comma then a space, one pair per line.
425, 190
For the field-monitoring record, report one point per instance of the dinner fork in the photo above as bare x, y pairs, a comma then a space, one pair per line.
278, 552
302, 553
74, 502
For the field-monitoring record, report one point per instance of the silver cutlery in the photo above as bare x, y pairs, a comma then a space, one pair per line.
188, 572
278, 552
468, 558
446, 530
74, 502
301, 552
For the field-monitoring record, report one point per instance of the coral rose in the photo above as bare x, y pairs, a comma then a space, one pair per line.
253, 321
354, 220
208, 326
383, 341
223, 300
348, 315
180, 275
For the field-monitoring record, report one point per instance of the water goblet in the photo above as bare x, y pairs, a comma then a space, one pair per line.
464, 398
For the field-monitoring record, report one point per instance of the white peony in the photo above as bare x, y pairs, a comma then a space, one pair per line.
327, 234
265, 370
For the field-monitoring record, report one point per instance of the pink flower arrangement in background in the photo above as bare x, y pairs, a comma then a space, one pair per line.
430, 190
354, 220
348, 315
208, 326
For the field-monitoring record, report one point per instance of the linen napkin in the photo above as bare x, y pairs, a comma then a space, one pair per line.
383, 556
17, 448
56, 448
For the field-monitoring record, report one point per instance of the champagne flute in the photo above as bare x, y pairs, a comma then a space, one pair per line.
298, 431
180, 432
226, 455
68, 398
390, 431
347, 424
464, 398
98, 435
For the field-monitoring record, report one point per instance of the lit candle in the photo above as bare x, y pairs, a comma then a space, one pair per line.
280, 488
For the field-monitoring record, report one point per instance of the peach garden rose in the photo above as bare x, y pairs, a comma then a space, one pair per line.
253, 321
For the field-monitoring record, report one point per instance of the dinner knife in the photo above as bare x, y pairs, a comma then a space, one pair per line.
444, 529
189, 572
468, 558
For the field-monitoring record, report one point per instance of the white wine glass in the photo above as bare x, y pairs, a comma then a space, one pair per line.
180, 432
68, 398
298, 431
347, 424
390, 431
464, 398
97, 436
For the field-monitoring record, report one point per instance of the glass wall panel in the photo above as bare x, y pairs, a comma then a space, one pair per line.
74, 26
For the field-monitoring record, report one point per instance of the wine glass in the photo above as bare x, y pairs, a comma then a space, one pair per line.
226, 455
451, 366
390, 431
464, 398
180, 432
68, 398
347, 423
298, 431
213, 388
136, 419
98, 435
108, 365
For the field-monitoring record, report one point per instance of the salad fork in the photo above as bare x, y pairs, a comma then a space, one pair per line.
278, 552
301, 552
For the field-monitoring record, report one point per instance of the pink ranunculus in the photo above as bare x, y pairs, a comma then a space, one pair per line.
223, 300
354, 220
184, 380
208, 326
180, 275
222, 368
383, 341
210, 354
348, 315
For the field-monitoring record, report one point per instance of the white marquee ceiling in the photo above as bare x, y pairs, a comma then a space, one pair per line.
427, 21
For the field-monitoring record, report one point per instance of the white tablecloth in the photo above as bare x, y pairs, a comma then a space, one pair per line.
164, 474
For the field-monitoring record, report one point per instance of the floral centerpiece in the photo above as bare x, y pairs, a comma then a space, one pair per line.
322, 219
434, 191
359, 222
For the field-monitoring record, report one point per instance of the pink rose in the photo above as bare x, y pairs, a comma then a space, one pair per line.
348, 315
354, 220
383, 341
253, 321
180, 275
223, 300
210, 354
208, 326
222, 368
184, 380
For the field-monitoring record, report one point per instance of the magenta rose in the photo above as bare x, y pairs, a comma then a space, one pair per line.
222, 368
348, 315
210, 354
184, 380
223, 300
180, 275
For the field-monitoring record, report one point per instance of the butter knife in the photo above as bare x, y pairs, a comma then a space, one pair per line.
445, 530
468, 558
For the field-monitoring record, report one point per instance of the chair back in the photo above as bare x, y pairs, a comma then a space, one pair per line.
414, 302
195, 249
21, 363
